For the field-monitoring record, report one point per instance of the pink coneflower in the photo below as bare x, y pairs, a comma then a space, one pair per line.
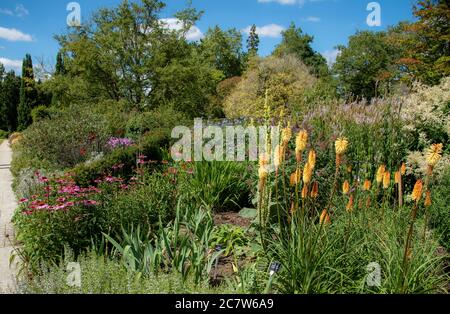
98, 181
69, 204
109, 179
45, 206
23, 200
90, 203
172, 170
43, 179
190, 171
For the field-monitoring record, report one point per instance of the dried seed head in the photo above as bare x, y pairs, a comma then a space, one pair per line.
350, 204
428, 201
397, 177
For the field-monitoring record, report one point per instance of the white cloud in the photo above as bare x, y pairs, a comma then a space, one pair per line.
194, 32
6, 11
270, 30
313, 19
13, 34
11, 64
331, 55
20, 11
300, 3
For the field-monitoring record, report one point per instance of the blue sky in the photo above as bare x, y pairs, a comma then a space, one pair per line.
28, 26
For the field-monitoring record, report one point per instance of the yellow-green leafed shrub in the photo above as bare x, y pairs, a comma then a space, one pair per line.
285, 79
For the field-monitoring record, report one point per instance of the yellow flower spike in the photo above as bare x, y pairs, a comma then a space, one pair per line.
325, 218
286, 135
367, 185
301, 142
397, 177
315, 190
346, 187
403, 169
434, 154
263, 160
380, 174
307, 174
312, 159
341, 145
278, 157
386, 180
263, 173
417, 191
428, 201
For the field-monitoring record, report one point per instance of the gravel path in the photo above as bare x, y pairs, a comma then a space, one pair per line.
7, 206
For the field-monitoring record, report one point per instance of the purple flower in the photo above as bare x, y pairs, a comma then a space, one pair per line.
115, 142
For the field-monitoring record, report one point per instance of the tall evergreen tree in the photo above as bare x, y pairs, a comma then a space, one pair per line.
60, 67
253, 41
11, 95
28, 94
3, 105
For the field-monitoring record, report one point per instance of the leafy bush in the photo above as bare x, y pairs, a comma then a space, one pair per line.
440, 209
64, 140
3, 134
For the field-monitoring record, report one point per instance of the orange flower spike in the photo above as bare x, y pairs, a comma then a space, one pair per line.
403, 169
417, 191
351, 203
346, 187
325, 218
386, 180
315, 190
397, 177
367, 185
301, 142
428, 201
305, 191
380, 174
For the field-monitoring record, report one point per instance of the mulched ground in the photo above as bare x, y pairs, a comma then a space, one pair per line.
231, 218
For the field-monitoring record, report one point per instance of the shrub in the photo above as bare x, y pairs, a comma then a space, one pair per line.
64, 140
285, 80
440, 209
3, 134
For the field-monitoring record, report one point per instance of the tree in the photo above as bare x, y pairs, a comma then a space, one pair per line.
128, 53
223, 50
432, 44
299, 44
60, 68
366, 65
11, 96
253, 41
28, 94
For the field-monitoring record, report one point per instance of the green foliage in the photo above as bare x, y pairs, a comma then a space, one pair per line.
182, 246
365, 66
41, 112
28, 94
9, 99
296, 43
3, 134
221, 186
253, 41
143, 206
284, 79
66, 139
440, 210
231, 238
101, 275
223, 50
